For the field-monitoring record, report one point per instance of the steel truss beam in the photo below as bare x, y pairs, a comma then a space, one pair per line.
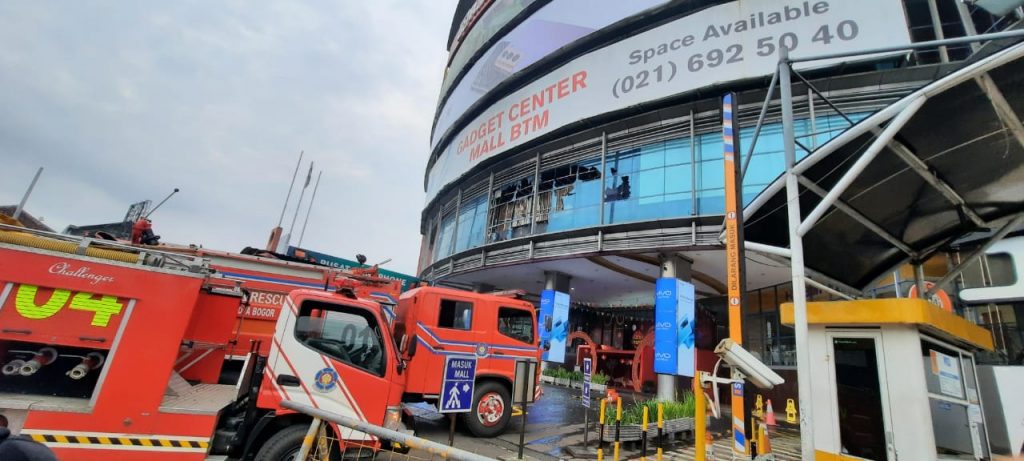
861, 164
859, 217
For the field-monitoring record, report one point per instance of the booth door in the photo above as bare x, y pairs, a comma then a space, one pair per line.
859, 395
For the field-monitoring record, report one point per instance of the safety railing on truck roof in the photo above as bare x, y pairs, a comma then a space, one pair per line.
319, 443
99, 248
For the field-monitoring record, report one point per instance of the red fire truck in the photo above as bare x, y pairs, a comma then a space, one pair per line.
92, 336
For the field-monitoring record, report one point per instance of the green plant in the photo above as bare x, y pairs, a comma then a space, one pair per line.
557, 373
633, 414
599, 378
576, 375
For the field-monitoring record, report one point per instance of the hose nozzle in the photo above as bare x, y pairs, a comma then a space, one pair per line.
44, 357
90, 362
13, 367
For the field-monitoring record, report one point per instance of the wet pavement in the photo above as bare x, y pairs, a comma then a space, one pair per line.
555, 423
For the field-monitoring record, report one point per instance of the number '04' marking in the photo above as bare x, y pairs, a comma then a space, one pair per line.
103, 308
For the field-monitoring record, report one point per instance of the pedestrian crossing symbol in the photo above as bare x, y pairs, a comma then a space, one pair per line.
457, 387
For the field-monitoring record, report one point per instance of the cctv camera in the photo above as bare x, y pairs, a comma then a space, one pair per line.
756, 372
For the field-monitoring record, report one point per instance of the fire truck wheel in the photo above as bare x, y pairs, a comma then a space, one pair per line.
492, 409
284, 445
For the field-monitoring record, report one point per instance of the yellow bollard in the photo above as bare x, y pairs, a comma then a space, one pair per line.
759, 406
618, 425
661, 427
600, 429
643, 435
699, 419
600, 454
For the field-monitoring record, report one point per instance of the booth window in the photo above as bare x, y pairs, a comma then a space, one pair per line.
516, 324
350, 335
953, 397
456, 315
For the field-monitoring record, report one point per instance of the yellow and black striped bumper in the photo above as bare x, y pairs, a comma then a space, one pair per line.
112, 441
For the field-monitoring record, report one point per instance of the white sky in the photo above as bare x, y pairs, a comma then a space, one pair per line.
123, 101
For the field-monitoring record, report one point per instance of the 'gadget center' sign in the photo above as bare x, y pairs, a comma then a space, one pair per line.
727, 42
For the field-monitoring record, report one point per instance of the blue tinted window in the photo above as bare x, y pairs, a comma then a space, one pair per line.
677, 151
443, 246
678, 178
472, 217
652, 156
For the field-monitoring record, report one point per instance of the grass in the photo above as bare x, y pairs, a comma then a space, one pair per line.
633, 414
596, 378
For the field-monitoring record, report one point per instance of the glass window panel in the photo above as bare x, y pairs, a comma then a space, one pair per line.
751, 192
711, 201
652, 156
764, 168
677, 205
677, 151
456, 315
445, 238
710, 147
648, 183
678, 178
711, 174
347, 334
516, 324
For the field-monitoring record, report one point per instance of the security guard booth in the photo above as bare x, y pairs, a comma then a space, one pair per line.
893, 379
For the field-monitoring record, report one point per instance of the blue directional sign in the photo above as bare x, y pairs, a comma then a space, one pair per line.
587, 366
457, 387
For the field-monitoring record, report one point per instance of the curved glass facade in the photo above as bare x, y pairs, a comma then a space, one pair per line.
677, 177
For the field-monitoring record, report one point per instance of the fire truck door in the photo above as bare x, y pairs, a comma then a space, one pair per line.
341, 359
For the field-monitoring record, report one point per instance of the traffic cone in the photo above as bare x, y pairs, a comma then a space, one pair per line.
769, 414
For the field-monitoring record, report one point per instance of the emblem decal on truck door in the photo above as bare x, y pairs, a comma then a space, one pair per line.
326, 380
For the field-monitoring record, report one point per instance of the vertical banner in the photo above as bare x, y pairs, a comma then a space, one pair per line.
674, 333
736, 283
554, 324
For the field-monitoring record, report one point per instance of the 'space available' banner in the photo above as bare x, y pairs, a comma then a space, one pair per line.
728, 42
674, 328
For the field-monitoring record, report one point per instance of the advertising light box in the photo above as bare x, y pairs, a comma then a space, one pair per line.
553, 324
674, 327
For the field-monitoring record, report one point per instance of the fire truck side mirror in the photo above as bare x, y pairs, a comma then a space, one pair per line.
411, 346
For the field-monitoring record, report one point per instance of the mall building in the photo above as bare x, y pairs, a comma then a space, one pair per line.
577, 145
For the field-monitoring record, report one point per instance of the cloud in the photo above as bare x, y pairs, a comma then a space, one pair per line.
122, 102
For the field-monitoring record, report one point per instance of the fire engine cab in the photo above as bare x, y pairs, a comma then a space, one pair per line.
93, 335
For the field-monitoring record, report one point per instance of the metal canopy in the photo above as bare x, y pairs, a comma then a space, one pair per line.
945, 161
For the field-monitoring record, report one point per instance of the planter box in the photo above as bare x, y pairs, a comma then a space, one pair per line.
598, 387
631, 432
547, 379
562, 382
576, 384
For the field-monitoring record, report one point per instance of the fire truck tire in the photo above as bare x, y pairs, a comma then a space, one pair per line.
284, 445
492, 409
